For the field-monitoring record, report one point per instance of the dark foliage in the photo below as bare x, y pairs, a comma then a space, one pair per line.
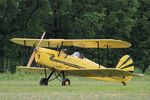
127, 20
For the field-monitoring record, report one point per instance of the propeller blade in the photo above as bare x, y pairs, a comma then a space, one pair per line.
31, 59
34, 51
41, 40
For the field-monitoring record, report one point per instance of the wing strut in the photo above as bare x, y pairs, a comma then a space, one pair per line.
27, 49
48, 44
60, 48
107, 56
98, 53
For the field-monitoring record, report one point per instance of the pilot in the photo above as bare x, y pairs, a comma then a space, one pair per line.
77, 54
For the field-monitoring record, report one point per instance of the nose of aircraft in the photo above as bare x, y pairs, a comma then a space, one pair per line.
37, 57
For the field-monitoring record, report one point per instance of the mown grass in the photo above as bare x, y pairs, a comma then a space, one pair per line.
25, 87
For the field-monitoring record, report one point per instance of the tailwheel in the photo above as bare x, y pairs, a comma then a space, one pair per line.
43, 82
65, 82
124, 83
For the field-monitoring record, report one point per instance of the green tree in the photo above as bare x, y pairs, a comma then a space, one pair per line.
118, 19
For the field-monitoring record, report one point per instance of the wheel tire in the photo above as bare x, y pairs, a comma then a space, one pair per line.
43, 82
65, 82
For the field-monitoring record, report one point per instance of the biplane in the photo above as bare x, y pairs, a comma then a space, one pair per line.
57, 61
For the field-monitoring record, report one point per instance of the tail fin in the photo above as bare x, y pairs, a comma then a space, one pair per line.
126, 63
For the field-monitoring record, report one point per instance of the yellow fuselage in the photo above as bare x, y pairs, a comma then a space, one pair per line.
59, 60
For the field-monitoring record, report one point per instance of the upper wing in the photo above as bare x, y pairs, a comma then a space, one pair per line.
83, 43
109, 72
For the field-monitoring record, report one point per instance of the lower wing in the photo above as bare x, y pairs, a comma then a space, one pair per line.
101, 72
31, 69
109, 74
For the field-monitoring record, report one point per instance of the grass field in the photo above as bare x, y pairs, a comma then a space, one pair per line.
25, 87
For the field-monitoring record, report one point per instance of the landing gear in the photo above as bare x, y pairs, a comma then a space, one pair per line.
65, 82
44, 81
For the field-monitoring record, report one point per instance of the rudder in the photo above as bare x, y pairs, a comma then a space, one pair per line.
126, 63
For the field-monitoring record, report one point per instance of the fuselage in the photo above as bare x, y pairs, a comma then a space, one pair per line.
59, 60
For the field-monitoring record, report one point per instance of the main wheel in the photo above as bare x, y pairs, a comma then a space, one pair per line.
43, 82
65, 82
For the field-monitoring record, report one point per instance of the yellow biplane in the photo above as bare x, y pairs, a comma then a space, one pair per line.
57, 61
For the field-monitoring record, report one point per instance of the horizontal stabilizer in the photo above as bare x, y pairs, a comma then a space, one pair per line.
140, 75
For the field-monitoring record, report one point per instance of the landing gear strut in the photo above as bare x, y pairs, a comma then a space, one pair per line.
44, 81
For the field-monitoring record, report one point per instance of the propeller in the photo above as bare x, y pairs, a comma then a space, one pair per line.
34, 51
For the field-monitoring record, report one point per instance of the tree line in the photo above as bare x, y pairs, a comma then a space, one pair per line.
127, 20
